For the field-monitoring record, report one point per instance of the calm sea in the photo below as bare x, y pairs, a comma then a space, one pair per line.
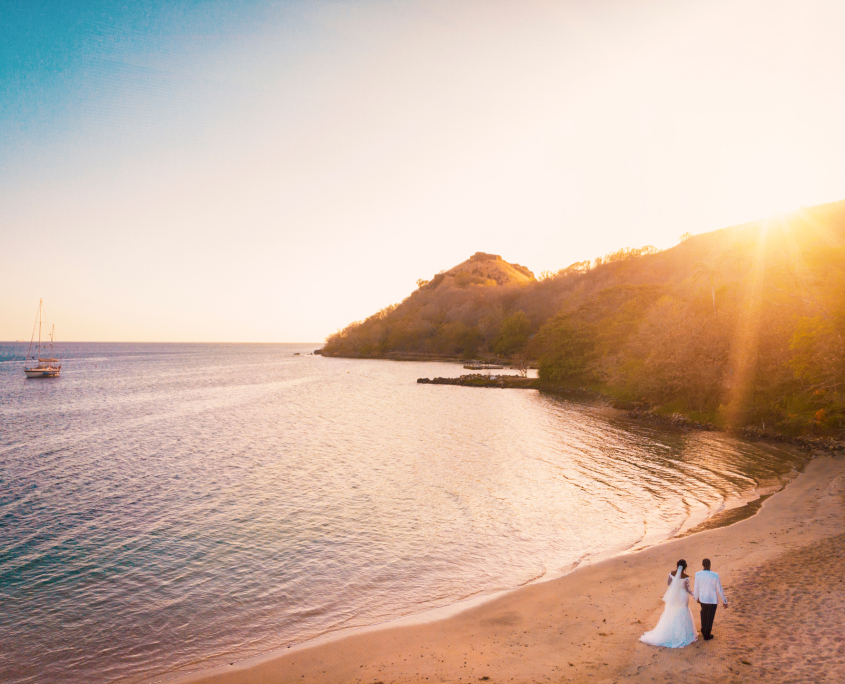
168, 507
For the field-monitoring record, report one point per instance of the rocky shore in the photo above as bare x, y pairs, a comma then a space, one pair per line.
643, 412
672, 419
480, 380
751, 432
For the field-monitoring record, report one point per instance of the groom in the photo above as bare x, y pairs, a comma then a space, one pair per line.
707, 591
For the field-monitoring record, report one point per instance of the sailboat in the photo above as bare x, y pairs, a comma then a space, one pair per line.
37, 366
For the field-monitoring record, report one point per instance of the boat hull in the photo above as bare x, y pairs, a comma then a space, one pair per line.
42, 372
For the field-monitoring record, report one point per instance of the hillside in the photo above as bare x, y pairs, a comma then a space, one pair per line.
481, 269
741, 324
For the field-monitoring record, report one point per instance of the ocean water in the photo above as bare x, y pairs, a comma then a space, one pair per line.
168, 507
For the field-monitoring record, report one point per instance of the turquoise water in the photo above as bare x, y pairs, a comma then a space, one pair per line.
165, 508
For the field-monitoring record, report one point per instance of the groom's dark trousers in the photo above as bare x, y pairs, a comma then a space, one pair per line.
708, 612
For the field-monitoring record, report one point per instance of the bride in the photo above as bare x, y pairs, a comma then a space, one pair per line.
675, 628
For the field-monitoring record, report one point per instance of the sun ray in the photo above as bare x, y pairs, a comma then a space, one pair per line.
796, 264
831, 238
743, 355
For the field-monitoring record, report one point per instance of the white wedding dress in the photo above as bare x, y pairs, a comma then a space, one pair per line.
675, 628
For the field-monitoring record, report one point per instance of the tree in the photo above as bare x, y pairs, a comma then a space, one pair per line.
565, 347
513, 335
578, 268
710, 272
459, 338
675, 355
818, 353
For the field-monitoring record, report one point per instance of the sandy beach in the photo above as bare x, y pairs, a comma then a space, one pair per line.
781, 569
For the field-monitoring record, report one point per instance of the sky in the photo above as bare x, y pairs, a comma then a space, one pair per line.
272, 171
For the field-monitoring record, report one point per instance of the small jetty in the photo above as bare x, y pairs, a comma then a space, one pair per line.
482, 366
479, 380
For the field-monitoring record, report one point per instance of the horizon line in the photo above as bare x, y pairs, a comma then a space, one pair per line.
155, 342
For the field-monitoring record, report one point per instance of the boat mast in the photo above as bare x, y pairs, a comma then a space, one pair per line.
32, 337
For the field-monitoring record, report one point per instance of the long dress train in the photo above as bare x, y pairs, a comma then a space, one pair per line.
675, 628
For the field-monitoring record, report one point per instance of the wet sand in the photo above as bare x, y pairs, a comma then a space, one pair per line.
782, 571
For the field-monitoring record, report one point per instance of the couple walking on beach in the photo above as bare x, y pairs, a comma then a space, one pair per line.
676, 628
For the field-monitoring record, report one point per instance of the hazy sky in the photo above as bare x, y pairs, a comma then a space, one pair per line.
271, 171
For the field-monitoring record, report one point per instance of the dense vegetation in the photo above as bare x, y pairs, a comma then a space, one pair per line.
744, 324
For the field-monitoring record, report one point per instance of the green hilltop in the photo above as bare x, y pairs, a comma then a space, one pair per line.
744, 324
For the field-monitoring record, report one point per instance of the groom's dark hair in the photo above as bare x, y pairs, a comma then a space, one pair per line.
706, 563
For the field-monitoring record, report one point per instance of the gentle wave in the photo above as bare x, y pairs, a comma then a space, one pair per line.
182, 506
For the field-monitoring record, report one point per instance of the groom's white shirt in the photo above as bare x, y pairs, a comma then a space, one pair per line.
708, 587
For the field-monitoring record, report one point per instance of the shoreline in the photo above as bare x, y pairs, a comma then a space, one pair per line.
339, 647
639, 412
721, 518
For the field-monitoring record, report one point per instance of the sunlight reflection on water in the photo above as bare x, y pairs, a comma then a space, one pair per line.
166, 507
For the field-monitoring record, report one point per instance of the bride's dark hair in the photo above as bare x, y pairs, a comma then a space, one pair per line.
682, 563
